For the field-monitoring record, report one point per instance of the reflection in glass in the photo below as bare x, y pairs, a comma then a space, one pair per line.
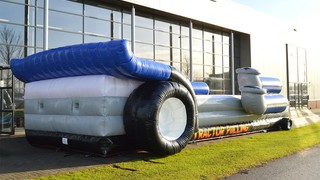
208, 46
167, 27
197, 33
144, 22
218, 48
226, 49
97, 27
185, 68
8, 31
162, 38
197, 44
126, 18
89, 39
12, 13
58, 39
197, 57
144, 50
66, 6
184, 42
226, 61
226, 73
97, 12
215, 85
162, 53
176, 55
144, 35
208, 59
69, 22
198, 72
126, 32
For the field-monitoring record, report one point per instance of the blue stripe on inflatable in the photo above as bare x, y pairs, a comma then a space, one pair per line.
275, 103
110, 58
200, 88
272, 84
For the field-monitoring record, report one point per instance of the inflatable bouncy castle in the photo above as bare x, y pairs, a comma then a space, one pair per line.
95, 97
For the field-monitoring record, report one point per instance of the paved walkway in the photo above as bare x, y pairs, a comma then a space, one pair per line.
299, 166
19, 160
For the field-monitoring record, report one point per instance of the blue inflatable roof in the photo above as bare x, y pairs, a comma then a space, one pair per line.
110, 58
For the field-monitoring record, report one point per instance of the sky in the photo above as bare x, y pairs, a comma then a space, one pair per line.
301, 14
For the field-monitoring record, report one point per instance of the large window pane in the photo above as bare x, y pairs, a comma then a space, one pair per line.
97, 12
167, 27
176, 40
217, 60
144, 22
197, 44
89, 39
184, 42
198, 73
66, 6
127, 32
197, 33
144, 35
144, 50
97, 27
208, 71
226, 61
39, 42
226, 73
162, 38
58, 39
117, 31
65, 21
197, 57
226, 49
217, 37
13, 13
208, 59
218, 48
126, 18
176, 55
208, 46
162, 53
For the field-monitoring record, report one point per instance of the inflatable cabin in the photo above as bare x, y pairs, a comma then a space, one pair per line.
95, 97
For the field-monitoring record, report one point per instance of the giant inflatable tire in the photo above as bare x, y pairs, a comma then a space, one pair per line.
160, 117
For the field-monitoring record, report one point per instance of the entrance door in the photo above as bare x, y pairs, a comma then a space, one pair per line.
6, 101
297, 76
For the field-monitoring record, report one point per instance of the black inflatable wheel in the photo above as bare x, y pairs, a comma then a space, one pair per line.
286, 124
160, 117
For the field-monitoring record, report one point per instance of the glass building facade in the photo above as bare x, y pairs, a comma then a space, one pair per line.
202, 52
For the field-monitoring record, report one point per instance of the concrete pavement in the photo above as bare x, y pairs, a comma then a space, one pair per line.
301, 165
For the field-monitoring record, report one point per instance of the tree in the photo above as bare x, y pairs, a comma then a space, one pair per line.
10, 47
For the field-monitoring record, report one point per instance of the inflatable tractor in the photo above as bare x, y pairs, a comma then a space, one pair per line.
98, 96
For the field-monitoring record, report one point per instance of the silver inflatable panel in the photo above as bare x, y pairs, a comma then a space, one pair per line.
88, 106
211, 103
95, 116
83, 125
209, 119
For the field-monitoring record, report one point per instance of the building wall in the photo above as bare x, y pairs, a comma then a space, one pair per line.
261, 39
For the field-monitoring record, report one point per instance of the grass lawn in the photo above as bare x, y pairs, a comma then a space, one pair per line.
211, 161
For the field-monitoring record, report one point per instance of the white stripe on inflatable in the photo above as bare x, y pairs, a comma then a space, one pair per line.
83, 125
81, 86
